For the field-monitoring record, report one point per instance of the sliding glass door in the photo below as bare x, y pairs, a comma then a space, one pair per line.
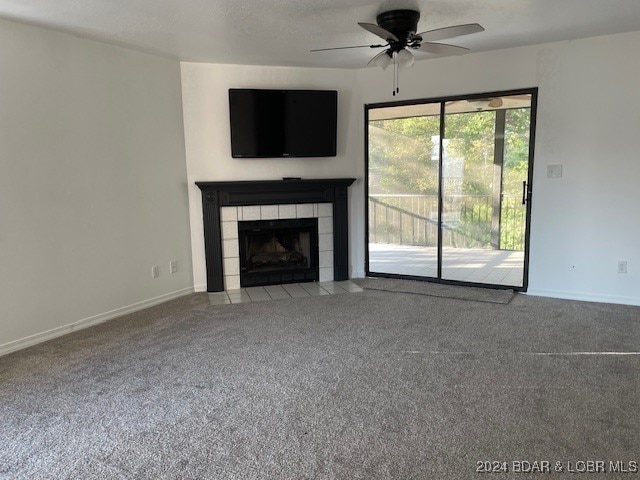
448, 188
404, 171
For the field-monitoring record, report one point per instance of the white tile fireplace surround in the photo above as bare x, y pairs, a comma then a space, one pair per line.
230, 216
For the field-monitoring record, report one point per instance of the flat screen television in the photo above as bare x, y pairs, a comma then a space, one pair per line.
283, 123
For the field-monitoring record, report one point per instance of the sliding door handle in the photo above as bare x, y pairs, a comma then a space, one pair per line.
524, 192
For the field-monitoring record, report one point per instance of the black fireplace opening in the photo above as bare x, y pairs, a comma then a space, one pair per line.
273, 252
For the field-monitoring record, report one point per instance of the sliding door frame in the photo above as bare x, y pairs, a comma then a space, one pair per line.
533, 91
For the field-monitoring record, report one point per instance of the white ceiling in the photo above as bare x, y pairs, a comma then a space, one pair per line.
281, 32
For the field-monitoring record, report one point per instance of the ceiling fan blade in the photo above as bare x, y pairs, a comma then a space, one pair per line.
342, 48
450, 32
442, 49
379, 31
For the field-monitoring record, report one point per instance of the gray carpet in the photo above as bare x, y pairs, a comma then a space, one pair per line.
489, 295
371, 385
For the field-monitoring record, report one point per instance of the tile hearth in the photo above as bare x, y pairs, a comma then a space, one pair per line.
280, 292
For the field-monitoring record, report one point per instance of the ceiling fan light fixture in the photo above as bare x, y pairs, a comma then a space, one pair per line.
382, 60
405, 58
479, 104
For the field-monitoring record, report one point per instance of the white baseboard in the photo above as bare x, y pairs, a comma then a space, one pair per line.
585, 297
89, 321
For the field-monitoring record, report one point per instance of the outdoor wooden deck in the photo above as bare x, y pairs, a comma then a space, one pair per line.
497, 267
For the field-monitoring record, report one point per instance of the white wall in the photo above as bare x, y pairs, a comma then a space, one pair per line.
588, 118
92, 183
208, 149
588, 121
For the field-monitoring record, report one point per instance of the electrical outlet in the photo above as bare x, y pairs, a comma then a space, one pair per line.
173, 266
622, 266
155, 271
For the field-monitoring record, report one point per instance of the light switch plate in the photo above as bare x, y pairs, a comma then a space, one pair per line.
554, 171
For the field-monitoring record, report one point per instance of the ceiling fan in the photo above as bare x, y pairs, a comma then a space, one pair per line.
398, 29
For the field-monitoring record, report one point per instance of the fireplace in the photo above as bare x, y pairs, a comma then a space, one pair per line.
226, 205
278, 251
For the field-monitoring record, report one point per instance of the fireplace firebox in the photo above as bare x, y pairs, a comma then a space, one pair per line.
278, 251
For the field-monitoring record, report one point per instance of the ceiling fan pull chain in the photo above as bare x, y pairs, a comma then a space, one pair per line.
396, 74
394, 78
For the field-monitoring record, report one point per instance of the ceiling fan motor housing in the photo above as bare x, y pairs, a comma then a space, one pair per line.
402, 23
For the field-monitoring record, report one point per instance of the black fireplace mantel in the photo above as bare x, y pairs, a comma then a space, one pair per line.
272, 192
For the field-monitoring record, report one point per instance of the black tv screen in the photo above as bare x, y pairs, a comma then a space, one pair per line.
283, 123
